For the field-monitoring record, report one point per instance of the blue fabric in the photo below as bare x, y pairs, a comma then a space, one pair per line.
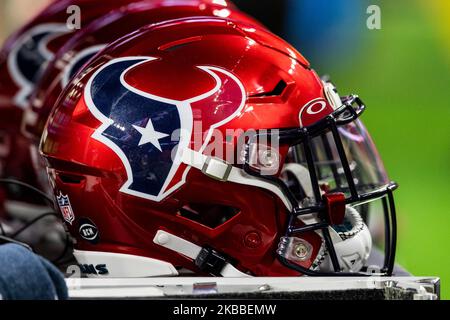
27, 276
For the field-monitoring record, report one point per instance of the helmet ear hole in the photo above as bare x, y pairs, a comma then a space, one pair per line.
209, 215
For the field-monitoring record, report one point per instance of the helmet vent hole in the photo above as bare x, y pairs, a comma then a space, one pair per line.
277, 91
209, 215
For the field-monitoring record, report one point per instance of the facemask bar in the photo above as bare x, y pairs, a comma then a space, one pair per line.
351, 109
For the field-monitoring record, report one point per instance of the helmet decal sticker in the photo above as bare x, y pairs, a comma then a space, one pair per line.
149, 132
28, 58
65, 207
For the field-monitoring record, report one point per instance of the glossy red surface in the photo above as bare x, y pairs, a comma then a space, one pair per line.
17, 162
91, 174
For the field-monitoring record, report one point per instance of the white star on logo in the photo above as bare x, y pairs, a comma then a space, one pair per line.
149, 135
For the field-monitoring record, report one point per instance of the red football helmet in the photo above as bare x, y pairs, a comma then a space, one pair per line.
211, 145
22, 60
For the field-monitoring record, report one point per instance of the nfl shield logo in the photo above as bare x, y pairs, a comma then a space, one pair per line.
66, 208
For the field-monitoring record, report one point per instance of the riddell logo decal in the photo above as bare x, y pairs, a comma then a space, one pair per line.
66, 208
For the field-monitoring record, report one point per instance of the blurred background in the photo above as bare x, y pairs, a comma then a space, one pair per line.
402, 72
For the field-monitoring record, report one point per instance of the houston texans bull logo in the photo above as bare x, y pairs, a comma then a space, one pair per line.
139, 127
29, 57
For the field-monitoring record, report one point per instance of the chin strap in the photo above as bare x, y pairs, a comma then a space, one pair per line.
205, 259
219, 169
